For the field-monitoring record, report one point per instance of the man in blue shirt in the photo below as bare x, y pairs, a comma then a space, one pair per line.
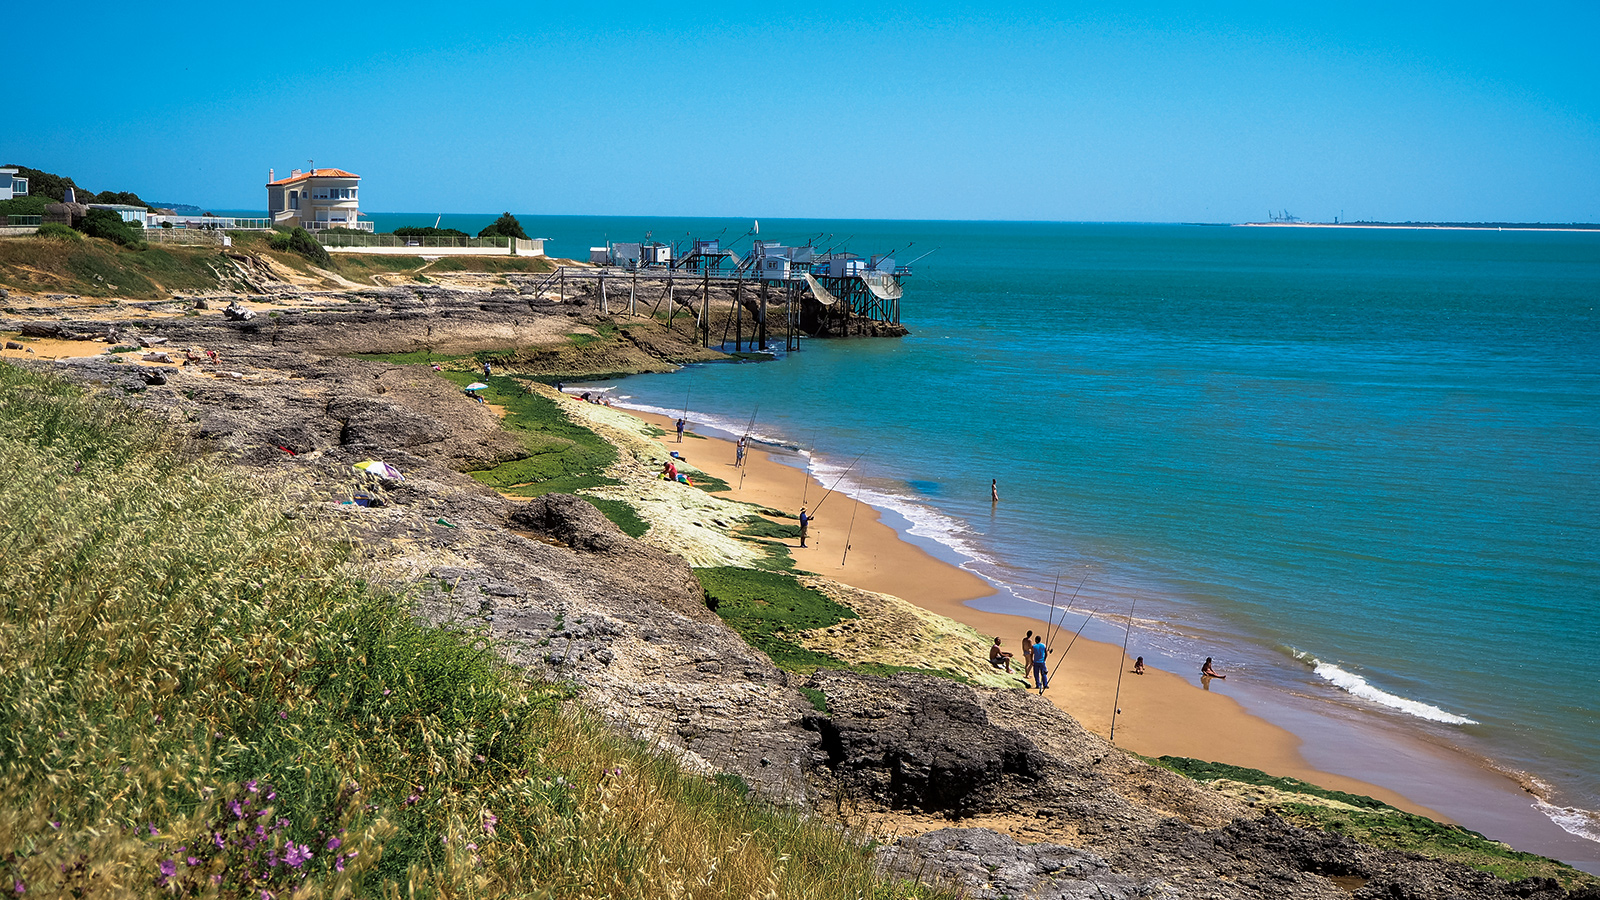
1041, 673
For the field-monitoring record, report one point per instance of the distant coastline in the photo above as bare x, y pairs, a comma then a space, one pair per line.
1431, 226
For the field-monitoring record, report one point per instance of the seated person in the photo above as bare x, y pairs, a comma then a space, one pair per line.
998, 658
1138, 666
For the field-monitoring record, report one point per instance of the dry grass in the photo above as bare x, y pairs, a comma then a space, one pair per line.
201, 697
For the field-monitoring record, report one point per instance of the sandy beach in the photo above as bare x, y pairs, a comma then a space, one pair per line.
1162, 713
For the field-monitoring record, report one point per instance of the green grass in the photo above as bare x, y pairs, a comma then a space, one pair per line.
181, 656
94, 267
561, 456
759, 527
766, 606
1381, 825
622, 514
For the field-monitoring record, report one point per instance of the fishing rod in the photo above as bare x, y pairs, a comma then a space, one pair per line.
685, 416
1063, 657
1116, 709
805, 474
1085, 578
738, 457
847, 533
836, 484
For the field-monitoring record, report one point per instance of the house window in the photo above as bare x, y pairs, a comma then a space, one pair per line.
294, 199
19, 186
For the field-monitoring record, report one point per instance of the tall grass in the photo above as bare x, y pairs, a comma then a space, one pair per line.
200, 697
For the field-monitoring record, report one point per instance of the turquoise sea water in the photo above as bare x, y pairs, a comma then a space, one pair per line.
1361, 468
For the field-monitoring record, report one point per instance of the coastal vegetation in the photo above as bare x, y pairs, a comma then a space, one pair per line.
505, 226
1374, 822
204, 696
298, 240
770, 609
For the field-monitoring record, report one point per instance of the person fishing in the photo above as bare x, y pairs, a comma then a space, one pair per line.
680, 429
1041, 672
805, 522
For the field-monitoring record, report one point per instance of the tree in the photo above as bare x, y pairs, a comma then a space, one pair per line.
505, 226
103, 223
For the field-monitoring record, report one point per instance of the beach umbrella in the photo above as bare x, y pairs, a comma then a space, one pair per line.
380, 469
476, 386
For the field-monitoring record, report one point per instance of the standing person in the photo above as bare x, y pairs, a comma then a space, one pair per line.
994, 491
805, 521
738, 452
1027, 654
1041, 672
486, 371
680, 429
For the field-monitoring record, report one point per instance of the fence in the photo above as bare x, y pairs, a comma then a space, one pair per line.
228, 223
196, 237
339, 239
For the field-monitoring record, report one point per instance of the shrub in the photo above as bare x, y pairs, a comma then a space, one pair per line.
58, 231
299, 241
430, 231
103, 223
505, 226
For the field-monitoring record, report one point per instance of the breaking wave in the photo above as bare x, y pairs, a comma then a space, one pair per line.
1356, 686
1584, 823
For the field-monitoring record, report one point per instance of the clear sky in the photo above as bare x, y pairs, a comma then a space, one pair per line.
1077, 112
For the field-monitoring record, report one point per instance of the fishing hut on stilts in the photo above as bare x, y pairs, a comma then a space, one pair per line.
735, 300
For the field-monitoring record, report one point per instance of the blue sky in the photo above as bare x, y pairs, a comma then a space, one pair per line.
1077, 112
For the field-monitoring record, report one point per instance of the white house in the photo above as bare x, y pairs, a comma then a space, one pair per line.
318, 199
12, 185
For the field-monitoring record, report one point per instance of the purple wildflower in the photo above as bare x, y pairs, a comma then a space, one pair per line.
334, 843
56, 825
411, 800
169, 868
192, 861
154, 830
218, 840
297, 855
489, 821
251, 786
237, 809
282, 714
19, 887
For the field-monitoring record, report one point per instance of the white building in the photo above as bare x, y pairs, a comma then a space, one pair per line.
128, 213
318, 199
12, 185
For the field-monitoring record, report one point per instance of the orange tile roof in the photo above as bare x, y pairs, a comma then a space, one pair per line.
316, 173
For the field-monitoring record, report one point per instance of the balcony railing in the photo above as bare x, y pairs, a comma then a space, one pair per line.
357, 225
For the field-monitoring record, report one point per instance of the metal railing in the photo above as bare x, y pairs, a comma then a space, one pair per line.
337, 239
23, 221
218, 223
322, 224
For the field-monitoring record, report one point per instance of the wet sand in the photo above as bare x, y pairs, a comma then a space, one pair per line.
1162, 713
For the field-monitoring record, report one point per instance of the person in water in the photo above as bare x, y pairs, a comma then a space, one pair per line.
994, 490
1208, 672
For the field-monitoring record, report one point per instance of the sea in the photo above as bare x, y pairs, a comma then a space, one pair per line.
1358, 467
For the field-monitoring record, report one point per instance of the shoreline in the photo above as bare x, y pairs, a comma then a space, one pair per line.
1164, 712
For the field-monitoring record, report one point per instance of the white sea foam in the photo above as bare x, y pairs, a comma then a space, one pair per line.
1357, 686
925, 521
1584, 823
